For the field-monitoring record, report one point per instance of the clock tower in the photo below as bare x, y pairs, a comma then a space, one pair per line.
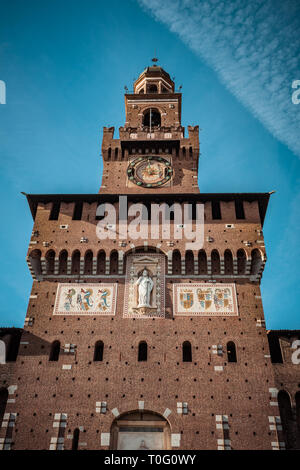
152, 150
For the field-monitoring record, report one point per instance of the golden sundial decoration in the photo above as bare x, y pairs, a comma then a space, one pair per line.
150, 172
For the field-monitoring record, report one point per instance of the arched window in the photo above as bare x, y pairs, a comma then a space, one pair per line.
98, 351
202, 262
2, 353
75, 262
186, 352
75, 439
63, 261
50, 256
152, 118
101, 258
256, 261
176, 262
297, 399
189, 262
113, 265
231, 352
3, 402
241, 261
35, 260
8, 338
215, 262
286, 416
88, 262
152, 88
143, 351
109, 154
228, 262
12, 345
54, 351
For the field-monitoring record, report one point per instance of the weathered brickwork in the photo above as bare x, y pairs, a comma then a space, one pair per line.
208, 381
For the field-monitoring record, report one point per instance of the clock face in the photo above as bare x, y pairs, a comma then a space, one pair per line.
150, 172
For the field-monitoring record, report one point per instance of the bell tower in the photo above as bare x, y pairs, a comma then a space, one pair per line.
152, 151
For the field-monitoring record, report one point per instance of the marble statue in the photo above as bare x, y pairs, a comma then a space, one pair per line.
145, 286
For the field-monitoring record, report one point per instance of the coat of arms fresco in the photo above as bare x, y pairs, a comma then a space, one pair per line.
205, 299
186, 299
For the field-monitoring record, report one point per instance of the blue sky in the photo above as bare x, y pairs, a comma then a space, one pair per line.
65, 64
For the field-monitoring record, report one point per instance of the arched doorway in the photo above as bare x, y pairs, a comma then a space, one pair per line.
140, 430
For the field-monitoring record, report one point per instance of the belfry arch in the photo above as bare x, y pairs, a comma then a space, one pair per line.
152, 117
140, 430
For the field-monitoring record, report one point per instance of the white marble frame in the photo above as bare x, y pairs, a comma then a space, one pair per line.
147, 260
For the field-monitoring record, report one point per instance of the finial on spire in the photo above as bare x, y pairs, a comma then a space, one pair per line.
154, 60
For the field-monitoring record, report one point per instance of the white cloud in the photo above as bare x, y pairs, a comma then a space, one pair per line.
253, 46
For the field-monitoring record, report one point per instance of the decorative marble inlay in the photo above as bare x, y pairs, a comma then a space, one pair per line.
205, 299
85, 299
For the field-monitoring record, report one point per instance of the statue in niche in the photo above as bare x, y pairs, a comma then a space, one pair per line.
143, 445
145, 286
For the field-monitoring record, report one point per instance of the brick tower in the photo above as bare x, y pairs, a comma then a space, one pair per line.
143, 343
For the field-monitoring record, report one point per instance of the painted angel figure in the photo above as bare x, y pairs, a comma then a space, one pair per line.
145, 286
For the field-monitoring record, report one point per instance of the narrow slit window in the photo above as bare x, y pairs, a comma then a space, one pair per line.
231, 352
54, 352
98, 352
143, 351
186, 352
75, 439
